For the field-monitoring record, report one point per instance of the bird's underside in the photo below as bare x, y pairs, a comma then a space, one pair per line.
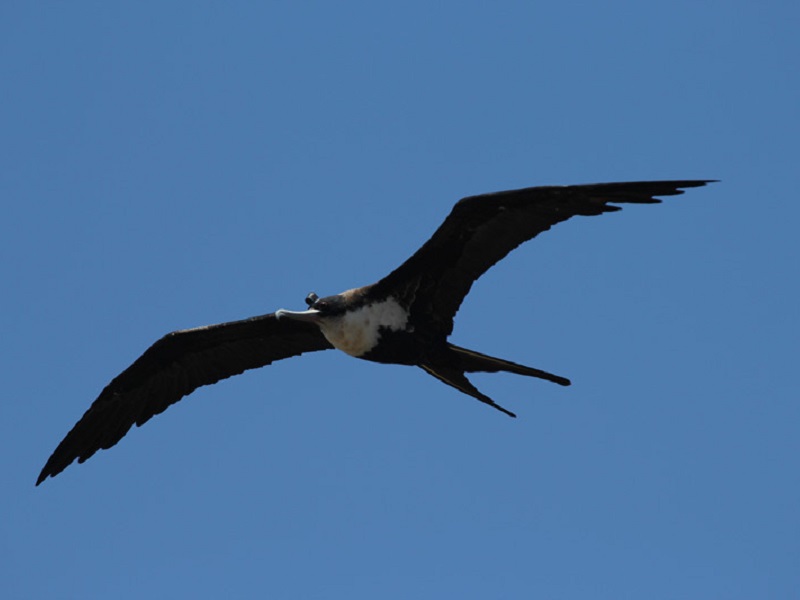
404, 318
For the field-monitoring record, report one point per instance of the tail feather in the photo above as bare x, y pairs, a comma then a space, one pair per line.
455, 377
471, 362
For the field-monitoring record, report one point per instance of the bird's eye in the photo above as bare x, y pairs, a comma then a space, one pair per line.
321, 305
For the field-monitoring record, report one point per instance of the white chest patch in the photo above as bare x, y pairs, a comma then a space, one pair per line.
357, 332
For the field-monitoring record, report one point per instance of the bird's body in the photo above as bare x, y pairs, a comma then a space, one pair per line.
360, 331
405, 318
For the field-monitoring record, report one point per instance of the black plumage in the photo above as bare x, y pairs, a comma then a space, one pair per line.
415, 305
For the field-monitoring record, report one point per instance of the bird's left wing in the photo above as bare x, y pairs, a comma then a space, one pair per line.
175, 366
481, 230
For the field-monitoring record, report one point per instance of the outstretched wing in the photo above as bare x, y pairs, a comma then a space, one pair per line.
174, 367
481, 230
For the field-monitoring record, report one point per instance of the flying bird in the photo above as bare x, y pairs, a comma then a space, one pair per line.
405, 318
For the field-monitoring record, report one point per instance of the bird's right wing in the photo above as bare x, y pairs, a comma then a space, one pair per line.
172, 368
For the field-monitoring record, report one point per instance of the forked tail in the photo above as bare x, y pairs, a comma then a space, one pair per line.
462, 360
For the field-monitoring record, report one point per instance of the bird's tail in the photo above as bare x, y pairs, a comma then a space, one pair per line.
455, 377
471, 362
468, 361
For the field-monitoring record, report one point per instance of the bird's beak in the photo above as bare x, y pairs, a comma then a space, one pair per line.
311, 315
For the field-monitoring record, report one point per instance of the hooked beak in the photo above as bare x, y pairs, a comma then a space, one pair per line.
310, 316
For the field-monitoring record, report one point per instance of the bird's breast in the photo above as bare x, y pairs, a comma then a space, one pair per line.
358, 332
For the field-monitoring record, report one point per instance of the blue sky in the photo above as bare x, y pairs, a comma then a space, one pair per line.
168, 165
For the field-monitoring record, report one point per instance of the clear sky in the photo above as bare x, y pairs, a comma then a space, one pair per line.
173, 164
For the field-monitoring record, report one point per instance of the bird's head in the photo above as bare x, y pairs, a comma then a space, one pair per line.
318, 308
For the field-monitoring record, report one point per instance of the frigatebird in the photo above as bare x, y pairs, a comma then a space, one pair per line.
405, 318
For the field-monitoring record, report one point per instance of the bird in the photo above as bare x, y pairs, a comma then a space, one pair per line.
404, 318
